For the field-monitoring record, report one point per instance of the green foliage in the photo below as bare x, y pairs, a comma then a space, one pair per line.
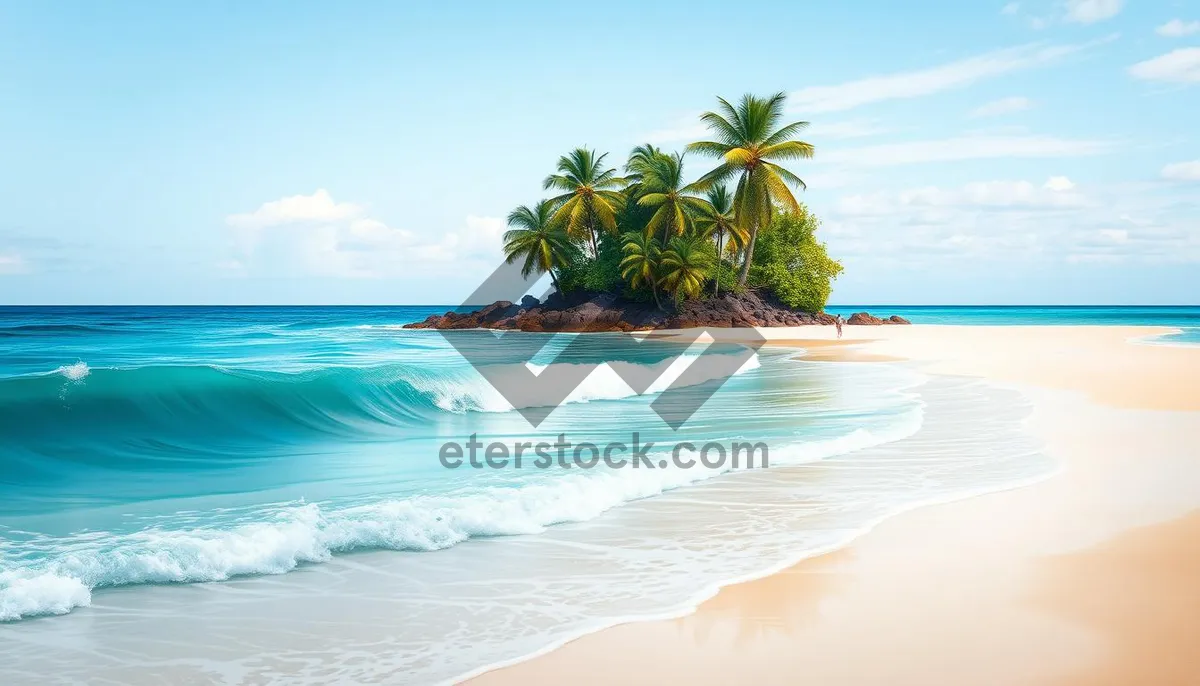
661, 188
534, 239
751, 148
715, 220
650, 232
591, 197
599, 275
685, 266
725, 278
790, 261
639, 266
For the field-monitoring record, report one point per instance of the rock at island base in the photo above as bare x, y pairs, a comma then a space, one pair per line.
607, 312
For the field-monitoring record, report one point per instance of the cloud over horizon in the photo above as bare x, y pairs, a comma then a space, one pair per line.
315, 234
968, 147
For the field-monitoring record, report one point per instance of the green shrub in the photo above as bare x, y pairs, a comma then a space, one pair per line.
791, 263
602, 274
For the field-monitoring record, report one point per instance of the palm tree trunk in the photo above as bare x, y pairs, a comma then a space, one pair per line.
749, 256
554, 280
657, 302
717, 281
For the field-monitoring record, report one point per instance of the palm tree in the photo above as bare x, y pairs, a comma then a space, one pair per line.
639, 157
716, 219
640, 264
544, 245
685, 266
590, 197
664, 191
750, 147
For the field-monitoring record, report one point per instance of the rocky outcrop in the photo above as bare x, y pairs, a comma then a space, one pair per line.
865, 319
608, 312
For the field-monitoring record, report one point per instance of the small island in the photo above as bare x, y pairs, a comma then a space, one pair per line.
648, 250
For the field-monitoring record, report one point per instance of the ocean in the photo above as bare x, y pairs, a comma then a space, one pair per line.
263, 486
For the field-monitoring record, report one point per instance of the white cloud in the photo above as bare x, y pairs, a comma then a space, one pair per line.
1177, 66
1182, 171
1091, 11
1058, 183
851, 128
315, 208
912, 84
966, 148
1177, 28
314, 234
12, 263
1002, 106
981, 194
1010, 8
1012, 222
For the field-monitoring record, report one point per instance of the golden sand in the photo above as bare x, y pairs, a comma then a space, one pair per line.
1089, 577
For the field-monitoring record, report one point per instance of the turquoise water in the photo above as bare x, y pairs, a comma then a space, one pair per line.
155, 445
147, 449
1184, 317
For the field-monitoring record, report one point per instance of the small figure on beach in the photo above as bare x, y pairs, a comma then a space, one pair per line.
838, 321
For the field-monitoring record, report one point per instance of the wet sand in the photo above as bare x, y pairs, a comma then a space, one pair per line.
1089, 577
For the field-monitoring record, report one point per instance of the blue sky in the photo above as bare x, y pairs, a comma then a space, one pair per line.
967, 152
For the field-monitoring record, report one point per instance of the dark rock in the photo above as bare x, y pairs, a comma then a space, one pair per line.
583, 311
896, 319
863, 318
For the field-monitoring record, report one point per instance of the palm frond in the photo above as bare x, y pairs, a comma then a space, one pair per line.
787, 150
785, 133
778, 188
787, 176
709, 148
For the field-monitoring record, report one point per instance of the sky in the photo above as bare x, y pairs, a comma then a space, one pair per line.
1034, 152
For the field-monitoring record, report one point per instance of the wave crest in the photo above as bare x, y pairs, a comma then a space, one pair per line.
289, 535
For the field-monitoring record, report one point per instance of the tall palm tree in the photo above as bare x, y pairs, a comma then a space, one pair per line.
590, 199
544, 245
751, 148
716, 219
685, 266
640, 265
664, 191
639, 157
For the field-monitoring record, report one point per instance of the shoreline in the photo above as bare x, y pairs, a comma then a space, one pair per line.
578, 659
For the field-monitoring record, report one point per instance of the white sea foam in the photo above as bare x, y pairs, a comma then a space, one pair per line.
74, 372
41, 594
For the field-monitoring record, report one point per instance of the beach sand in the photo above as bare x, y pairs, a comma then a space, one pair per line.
1088, 577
